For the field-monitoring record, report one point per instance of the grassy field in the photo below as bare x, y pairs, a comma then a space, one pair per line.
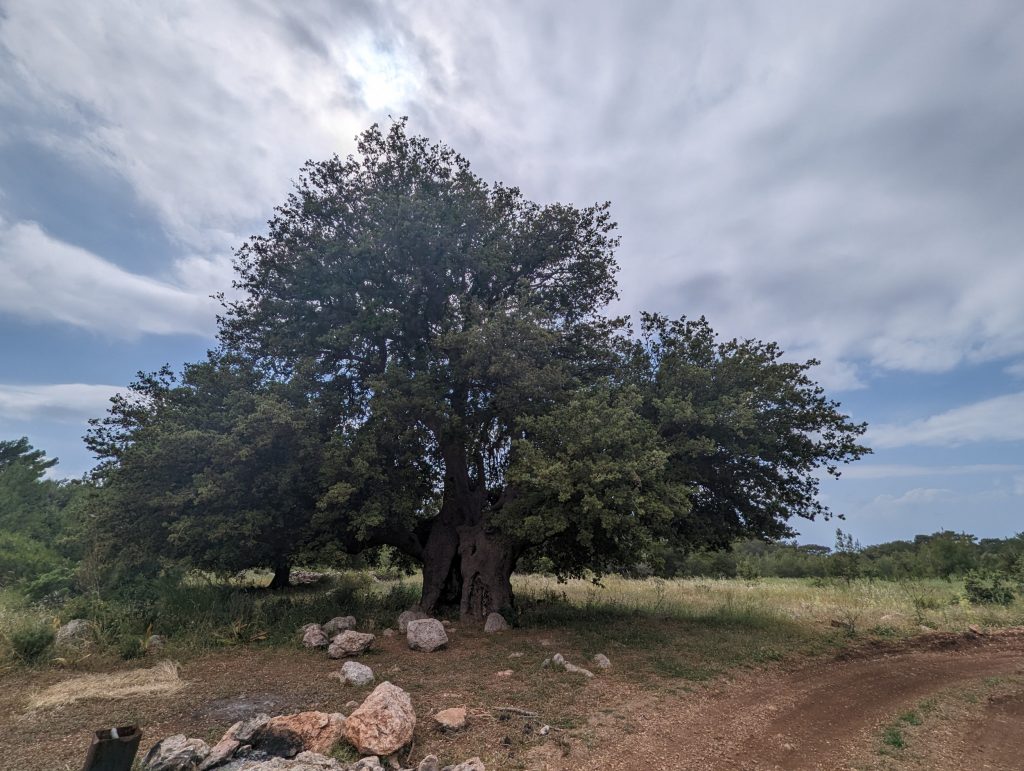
671, 643
691, 628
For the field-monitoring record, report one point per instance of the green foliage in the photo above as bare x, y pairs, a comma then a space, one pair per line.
418, 357
893, 737
218, 472
989, 587
30, 639
23, 558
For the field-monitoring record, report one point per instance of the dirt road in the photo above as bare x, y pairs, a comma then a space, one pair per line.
825, 715
821, 713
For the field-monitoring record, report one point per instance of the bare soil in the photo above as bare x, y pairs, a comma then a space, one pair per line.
821, 713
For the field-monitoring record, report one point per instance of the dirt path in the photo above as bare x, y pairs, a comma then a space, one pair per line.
825, 715
818, 714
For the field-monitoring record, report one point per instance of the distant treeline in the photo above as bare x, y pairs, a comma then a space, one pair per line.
945, 554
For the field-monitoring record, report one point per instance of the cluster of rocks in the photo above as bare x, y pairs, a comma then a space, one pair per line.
558, 660
378, 728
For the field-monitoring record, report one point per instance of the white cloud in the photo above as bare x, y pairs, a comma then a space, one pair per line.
1000, 419
62, 402
897, 471
43, 279
842, 178
915, 496
1018, 484
1017, 369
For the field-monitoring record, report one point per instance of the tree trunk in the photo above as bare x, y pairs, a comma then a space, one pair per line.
282, 576
467, 569
467, 566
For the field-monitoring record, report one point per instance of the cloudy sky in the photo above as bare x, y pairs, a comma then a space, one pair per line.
845, 178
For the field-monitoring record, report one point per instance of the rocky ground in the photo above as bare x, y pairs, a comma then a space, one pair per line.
827, 712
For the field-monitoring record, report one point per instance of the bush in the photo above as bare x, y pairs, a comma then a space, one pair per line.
988, 588
53, 584
30, 640
24, 559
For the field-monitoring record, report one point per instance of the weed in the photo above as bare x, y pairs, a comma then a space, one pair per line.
893, 737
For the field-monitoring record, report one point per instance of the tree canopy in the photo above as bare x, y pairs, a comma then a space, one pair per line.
423, 360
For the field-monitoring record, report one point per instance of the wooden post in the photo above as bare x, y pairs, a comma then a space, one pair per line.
113, 749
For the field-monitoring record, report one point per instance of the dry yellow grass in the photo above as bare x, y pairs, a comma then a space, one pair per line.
151, 681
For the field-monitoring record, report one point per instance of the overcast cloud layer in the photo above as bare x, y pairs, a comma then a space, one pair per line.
842, 177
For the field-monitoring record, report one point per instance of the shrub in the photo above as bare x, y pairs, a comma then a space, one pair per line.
24, 559
30, 640
990, 588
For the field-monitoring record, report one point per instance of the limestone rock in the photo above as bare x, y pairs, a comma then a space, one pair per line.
389, 632
304, 761
287, 735
504, 673
176, 753
429, 763
473, 764
601, 661
339, 624
495, 623
354, 673
409, 615
383, 723
244, 730
452, 719
77, 631
370, 763
578, 670
558, 660
426, 635
220, 753
313, 636
350, 643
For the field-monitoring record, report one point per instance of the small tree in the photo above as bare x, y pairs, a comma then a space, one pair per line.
217, 471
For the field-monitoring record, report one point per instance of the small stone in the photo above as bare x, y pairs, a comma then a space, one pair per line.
383, 723
974, 630
354, 673
495, 623
545, 663
155, 644
601, 661
176, 753
351, 705
339, 624
350, 643
446, 624
578, 670
544, 730
453, 719
389, 632
77, 631
313, 636
516, 655
429, 763
473, 764
558, 660
504, 673
426, 635
409, 615
369, 763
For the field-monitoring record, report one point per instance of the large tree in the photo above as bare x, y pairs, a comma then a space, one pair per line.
480, 405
